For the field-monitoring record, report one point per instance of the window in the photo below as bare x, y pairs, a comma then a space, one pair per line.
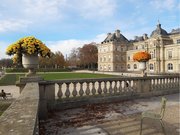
169, 54
135, 66
136, 47
109, 68
151, 67
121, 49
142, 46
178, 41
170, 66
100, 67
100, 59
109, 58
128, 66
129, 57
104, 58
122, 58
152, 54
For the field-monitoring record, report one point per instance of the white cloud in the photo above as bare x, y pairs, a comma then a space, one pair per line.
97, 8
163, 4
3, 46
44, 9
65, 46
13, 25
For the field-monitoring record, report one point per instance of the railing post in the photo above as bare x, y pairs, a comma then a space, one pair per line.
43, 111
146, 85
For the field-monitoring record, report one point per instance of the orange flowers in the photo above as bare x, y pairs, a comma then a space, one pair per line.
141, 56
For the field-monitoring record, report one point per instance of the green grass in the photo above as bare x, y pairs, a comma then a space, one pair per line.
3, 107
10, 79
57, 76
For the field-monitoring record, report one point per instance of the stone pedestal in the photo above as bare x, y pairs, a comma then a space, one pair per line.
23, 80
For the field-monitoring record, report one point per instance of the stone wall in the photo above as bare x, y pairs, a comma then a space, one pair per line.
21, 118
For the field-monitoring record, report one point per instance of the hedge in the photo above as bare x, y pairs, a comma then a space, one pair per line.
11, 70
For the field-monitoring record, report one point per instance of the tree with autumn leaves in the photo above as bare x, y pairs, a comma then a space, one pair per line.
89, 56
85, 57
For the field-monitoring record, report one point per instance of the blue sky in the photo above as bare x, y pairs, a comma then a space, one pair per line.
65, 24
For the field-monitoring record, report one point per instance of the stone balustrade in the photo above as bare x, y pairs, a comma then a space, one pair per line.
37, 98
112, 89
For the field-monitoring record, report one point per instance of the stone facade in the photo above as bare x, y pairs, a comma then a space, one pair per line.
115, 53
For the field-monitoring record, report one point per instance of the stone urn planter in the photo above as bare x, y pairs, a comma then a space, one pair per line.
30, 62
142, 67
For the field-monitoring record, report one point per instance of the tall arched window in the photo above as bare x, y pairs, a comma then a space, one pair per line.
135, 66
151, 67
128, 66
152, 54
170, 66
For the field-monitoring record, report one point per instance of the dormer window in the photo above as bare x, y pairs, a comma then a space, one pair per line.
178, 41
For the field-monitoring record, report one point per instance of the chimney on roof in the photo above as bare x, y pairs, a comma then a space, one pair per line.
145, 36
108, 34
117, 32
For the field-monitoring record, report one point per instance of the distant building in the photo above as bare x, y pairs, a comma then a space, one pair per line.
115, 53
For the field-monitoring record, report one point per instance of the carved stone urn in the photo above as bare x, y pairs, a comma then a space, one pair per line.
142, 67
30, 62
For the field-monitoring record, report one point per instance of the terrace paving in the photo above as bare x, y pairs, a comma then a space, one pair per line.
120, 118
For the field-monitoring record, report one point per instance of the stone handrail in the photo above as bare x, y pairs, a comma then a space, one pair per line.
21, 118
111, 86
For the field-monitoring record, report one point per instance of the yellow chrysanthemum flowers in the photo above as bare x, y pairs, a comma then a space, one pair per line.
29, 45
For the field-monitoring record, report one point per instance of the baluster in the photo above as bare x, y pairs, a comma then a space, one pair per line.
67, 92
74, 92
60, 94
81, 92
115, 87
110, 87
131, 85
93, 88
105, 87
170, 80
126, 85
157, 88
162, 84
120, 86
87, 89
152, 84
176, 81
166, 83
99, 88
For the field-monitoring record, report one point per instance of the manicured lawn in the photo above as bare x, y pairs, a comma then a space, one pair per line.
57, 76
10, 79
3, 107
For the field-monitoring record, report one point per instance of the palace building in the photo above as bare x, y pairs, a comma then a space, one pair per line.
115, 53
